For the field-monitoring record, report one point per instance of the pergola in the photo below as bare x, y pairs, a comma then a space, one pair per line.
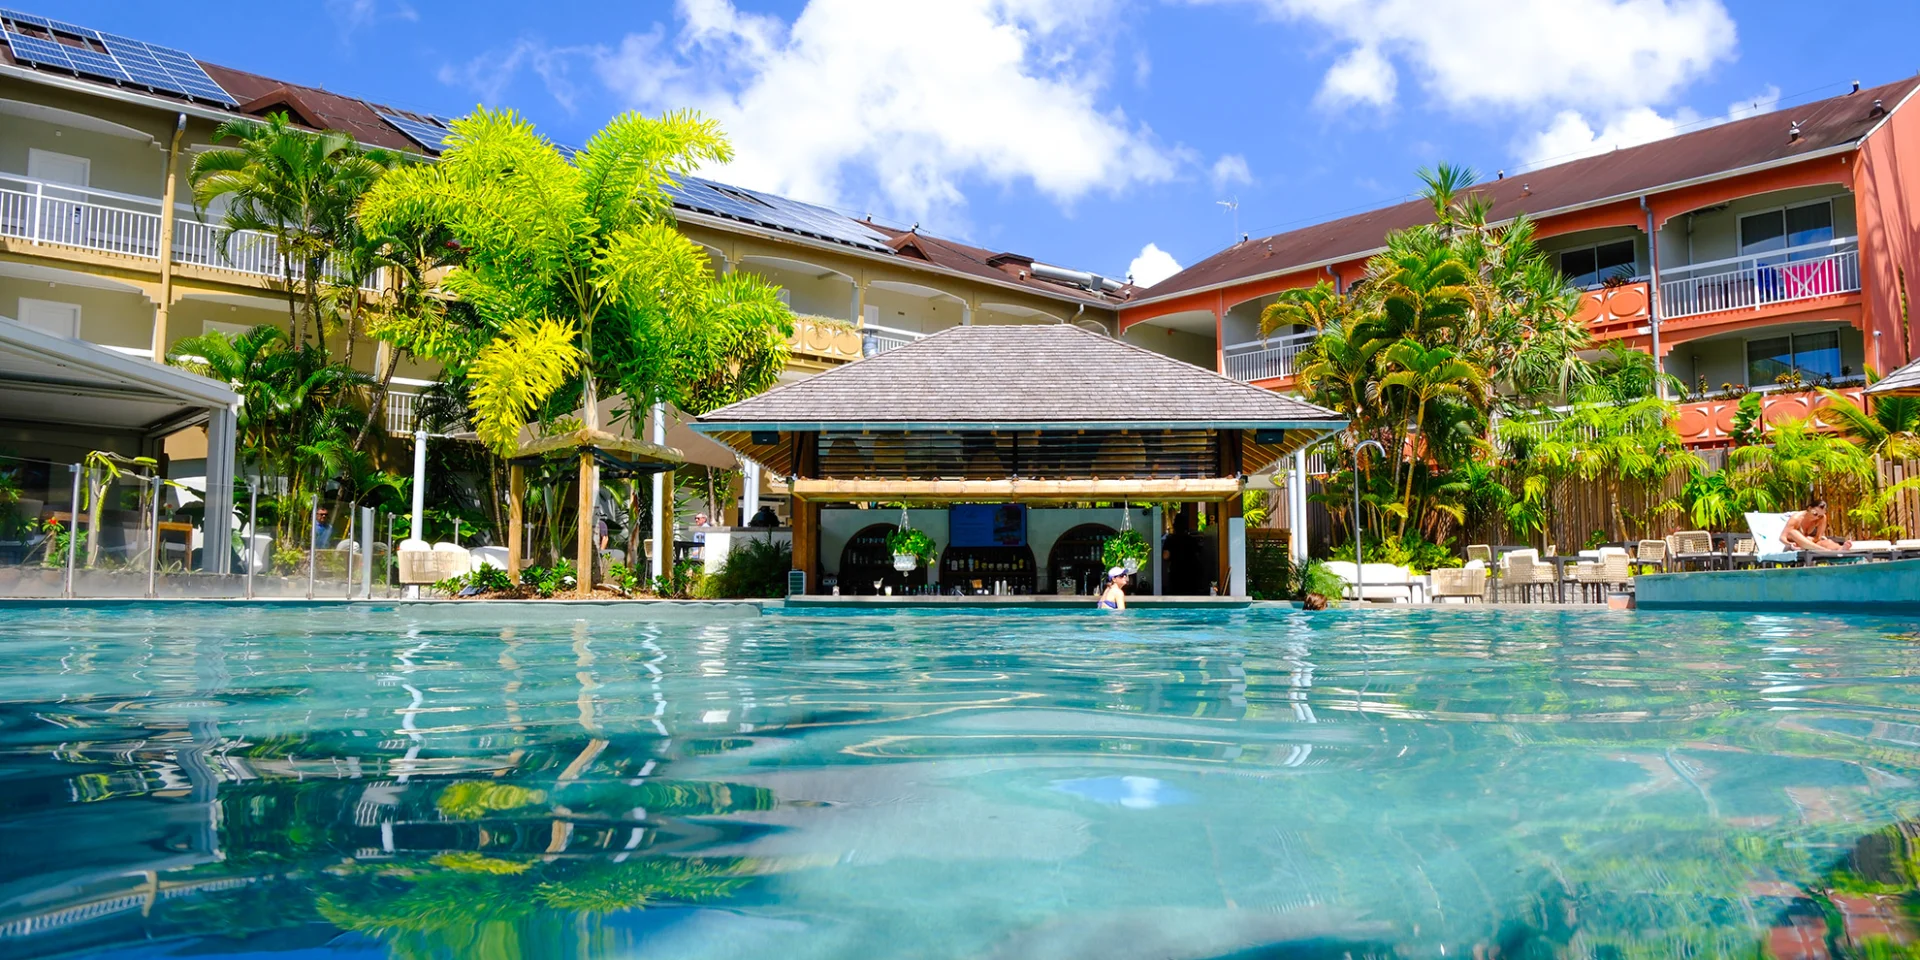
1015, 414
596, 451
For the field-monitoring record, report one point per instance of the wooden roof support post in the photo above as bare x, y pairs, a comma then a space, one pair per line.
806, 541
516, 526
663, 523
583, 542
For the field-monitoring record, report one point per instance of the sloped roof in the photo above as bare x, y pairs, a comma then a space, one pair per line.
1902, 382
968, 259
1019, 377
1737, 145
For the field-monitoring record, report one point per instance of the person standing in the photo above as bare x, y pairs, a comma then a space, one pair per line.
1114, 596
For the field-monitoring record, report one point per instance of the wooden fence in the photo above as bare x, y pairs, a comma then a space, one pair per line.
1583, 510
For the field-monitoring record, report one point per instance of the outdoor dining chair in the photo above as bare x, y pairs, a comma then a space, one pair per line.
1612, 566
1693, 546
1481, 552
1651, 553
1525, 573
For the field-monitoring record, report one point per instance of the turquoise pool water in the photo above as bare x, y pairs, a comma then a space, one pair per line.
214, 780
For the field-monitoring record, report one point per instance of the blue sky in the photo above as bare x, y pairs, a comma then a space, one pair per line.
1075, 131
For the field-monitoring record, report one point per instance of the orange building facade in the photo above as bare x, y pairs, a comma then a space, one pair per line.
1767, 254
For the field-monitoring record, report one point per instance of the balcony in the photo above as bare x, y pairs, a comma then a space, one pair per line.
876, 340
824, 339
1710, 422
1750, 283
129, 226
1271, 359
1611, 311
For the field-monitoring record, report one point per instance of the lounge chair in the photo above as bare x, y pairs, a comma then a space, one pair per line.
1383, 581
1875, 549
1905, 549
1767, 529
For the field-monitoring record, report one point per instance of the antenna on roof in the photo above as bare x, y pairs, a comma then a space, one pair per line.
1233, 207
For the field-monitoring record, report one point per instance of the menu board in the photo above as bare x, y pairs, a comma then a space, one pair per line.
987, 525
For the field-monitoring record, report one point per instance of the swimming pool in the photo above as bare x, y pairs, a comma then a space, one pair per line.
486, 781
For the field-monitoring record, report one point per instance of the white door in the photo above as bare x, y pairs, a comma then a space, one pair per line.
48, 316
50, 167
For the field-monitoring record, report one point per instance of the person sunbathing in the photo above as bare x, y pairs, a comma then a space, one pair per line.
1807, 530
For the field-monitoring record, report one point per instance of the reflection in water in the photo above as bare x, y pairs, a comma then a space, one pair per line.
1407, 783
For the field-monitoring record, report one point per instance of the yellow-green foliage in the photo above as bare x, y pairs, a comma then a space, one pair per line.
473, 799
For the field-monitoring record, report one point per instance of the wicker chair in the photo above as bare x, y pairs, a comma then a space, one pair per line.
1467, 583
1527, 574
1690, 545
1480, 552
1611, 567
1651, 553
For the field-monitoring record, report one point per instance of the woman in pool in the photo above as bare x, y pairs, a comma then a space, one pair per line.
1114, 597
1807, 530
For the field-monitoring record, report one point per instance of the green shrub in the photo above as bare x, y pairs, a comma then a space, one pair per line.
1412, 551
623, 576
680, 582
547, 581
755, 569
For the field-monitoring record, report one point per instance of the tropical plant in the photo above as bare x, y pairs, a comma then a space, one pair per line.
679, 582
1890, 431
623, 576
1799, 465
545, 581
576, 274
295, 186
906, 541
1124, 549
756, 567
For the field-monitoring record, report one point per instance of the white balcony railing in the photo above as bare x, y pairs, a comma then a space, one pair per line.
1747, 283
129, 225
876, 340
1266, 359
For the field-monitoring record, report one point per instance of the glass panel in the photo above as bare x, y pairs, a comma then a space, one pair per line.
1578, 266
1768, 359
1614, 259
1812, 223
1817, 354
1761, 232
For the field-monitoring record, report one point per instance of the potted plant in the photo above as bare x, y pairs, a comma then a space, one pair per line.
910, 548
1126, 550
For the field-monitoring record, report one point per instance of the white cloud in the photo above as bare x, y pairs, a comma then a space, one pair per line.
351, 15
1229, 170
489, 74
914, 98
1766, 101
1469, 54
1571, 136
1363, 76
1152, 266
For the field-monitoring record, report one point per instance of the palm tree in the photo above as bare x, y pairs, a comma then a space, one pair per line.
1891, 431
296, 186
1317, 307
1425, 375
553, 252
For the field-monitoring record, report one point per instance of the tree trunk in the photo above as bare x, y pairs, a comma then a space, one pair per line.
294, 327
312, 283
1419, 421
376, 411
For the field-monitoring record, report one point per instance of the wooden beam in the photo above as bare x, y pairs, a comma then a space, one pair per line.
583, 541
1017, 491
516, 511
806, 541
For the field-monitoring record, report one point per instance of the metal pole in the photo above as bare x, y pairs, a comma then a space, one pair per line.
346, 571
386, 578
313, 543
1359, 549
73, 530
366, 553
253, 508
153, 541
419, 483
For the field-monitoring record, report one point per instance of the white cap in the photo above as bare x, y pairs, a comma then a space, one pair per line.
1116, 572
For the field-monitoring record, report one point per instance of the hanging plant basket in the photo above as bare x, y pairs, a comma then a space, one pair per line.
910, 548
1126, 550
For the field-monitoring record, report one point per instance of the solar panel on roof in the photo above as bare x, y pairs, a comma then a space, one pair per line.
35, 50
432, 136
126, 60
780, 213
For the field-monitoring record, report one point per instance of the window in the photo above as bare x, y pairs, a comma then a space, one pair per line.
1587, 266
1815, 355
1787, 227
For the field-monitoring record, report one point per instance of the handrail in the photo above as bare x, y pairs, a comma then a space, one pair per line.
1758, 280
1273, 341
1668, 273
917, 335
